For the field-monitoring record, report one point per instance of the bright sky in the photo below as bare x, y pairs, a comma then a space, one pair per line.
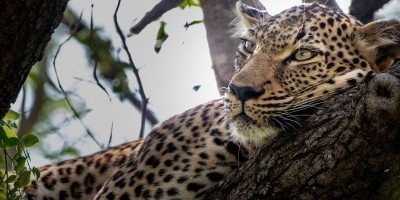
168, 77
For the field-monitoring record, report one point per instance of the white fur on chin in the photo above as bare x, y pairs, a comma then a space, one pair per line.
253, 134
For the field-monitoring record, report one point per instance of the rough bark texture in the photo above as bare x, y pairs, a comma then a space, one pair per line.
347, 150
26, 27
364, 10
218, 16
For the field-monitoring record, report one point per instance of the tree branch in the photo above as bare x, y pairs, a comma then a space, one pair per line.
26, 29
28, 121
348, 150
156, 12
109, 67
145, 100
364, 10
69, 103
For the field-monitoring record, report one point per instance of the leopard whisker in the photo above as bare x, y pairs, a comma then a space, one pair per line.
281, 125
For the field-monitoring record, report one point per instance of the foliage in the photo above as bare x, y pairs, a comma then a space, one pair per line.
188, 24
11, 183
161, 37
189, 3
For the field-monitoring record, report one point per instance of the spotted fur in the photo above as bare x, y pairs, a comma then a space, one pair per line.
80, 178
286, 65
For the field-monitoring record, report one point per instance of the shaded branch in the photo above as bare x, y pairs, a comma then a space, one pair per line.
347, 150
31, 117
145, 100
156, 12
364, 10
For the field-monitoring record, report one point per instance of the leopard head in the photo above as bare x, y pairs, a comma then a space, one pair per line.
288, 63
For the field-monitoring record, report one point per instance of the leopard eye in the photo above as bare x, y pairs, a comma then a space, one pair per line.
304, 54
249, 46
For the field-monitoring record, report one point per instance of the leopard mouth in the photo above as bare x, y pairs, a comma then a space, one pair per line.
287, 120
243, 117
244, 127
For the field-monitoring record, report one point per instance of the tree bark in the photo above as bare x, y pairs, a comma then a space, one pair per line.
218, 17
26, 27
349, 149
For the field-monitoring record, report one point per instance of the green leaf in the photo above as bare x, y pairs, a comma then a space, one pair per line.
69, 151
8, 137
11, 178
23, 179
14, 126
161, 37
9, 132
36, 172
20, 164
189, 3
12, 115
187, 25
19, 152
29, 140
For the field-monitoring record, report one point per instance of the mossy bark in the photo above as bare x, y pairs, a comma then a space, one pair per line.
347, 150
25, 29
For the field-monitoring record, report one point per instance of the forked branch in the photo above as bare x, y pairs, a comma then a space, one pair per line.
135, 70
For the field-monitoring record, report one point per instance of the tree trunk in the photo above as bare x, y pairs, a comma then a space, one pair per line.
26, 27
347, 150
218, 17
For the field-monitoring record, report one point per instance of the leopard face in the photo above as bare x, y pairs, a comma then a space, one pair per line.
287, 63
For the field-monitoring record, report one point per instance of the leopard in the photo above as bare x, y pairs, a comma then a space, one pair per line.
286, 65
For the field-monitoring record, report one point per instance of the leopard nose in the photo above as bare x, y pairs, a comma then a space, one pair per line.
244, 93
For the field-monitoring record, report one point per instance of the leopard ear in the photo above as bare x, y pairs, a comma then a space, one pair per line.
379, 43
251, 16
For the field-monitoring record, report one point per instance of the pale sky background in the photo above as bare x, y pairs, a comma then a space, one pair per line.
168, 77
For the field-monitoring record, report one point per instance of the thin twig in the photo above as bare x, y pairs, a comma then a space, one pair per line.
77, 115
94, 56
134, 69
156, 12
95, 68
112, 72
111, 135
